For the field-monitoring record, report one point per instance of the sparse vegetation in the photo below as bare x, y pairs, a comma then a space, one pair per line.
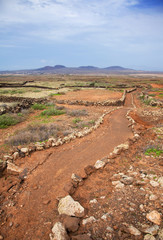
76, 120
77, 113
38, 106
153, 151
7, 120
35, 133
52, 111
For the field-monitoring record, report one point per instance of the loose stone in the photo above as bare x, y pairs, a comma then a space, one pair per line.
154, 217
99, 164
59, 232
134, 231
70, 207
154, 183
149, 237
88, 220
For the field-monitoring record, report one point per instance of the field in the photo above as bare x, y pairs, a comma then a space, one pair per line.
52, 126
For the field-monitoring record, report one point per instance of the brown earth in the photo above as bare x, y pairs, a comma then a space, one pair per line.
90, 95
29, 209
154, 85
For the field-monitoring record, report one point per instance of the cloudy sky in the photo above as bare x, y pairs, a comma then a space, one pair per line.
36, 33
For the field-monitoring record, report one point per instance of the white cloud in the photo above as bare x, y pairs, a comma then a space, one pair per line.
107, 22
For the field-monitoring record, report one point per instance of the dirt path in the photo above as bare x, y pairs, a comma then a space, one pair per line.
33, 213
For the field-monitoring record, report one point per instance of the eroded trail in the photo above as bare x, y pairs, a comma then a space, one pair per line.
35, 208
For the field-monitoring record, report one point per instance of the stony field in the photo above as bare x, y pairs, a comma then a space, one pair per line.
81, 157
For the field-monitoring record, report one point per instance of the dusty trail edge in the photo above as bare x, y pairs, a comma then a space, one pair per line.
35, 206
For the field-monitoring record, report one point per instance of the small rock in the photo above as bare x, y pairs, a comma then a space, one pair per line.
3, 165
24, 150
154, 183
76, 178
93, 201
114, 183
59, 232
1, 237
13, 169
7, 157
134, 231
10, 224
141, 207
69, 188
152, 197
71, 223
149, 237
46, 202
68, 206
127, 180
136, 136
88, 220
99, 164
160, 181
160, 234
140, 183
109, 229
15, 155
89, 169
81, 237
117, 151
152, 230
119, 185
105, 216
23, 174
154, 217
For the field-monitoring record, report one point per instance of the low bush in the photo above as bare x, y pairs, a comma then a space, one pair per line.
77, 113
52, 111
76, 120
83, 124
7, 120
154, 151
38, 106
35, 133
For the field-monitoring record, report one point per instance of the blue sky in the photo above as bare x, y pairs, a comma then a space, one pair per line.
35, 33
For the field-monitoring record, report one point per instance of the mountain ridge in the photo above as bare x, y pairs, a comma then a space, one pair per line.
61, 69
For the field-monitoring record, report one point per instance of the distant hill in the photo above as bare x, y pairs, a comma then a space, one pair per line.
61, 69
117, 68
49, 68
88, 67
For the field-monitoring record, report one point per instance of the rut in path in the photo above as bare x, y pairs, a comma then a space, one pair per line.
46, 182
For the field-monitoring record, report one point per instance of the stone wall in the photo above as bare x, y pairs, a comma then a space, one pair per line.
118, 102
23, 103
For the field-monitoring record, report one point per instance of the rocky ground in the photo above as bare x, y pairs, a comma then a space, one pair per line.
124, 200
121, 200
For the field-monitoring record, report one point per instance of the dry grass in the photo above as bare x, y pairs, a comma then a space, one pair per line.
37, 133
77, 113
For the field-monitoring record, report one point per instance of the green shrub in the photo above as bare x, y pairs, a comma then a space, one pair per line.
7, 120
154, 151
52, 112
76, 120
38, 106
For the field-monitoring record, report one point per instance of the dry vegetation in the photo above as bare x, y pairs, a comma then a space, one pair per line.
42, 121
